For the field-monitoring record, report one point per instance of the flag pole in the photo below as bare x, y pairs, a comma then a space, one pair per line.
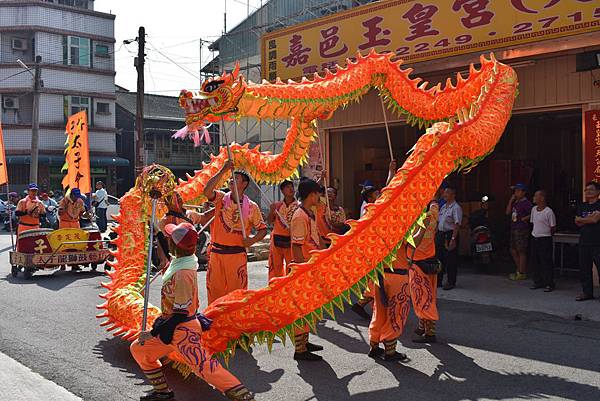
235, 188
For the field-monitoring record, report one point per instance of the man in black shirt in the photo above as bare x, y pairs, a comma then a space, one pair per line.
588, 219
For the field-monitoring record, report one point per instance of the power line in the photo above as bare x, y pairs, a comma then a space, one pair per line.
174, 62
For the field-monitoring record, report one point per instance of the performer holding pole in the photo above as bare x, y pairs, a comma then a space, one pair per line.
230, 233
180, 327
155, 195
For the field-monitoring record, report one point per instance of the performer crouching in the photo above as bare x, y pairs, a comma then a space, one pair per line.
305, 238
422, 278
280, 216
179, 328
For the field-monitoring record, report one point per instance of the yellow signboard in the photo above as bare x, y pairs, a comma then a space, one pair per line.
420, 30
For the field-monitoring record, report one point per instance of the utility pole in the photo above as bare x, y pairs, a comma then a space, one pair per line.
139, 114
35, 126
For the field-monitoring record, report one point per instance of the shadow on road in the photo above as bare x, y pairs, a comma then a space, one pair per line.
56, 280
116, 353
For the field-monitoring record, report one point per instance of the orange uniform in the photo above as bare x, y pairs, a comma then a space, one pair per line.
280, 251
305, 233
32, 207
423, 284
179, 295
69, 212
228, 263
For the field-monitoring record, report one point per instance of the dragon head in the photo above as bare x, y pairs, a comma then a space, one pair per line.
218, 98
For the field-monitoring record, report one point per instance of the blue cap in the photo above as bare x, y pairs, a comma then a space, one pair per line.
32, 186
367, 183
76, 192
444, 185
520, 186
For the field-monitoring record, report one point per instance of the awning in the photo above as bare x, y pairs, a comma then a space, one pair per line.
55, 160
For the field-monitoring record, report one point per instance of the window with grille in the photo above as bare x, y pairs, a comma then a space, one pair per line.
76, 51
102, 108
102, 51
75, 104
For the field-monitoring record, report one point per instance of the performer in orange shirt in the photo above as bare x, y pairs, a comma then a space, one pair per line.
180, 327
392, 298
228, 263
176, 214
29, 210
305, 238
70, 209
280, 215
422, 279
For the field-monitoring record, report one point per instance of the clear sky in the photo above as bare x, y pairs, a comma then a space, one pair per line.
174, 27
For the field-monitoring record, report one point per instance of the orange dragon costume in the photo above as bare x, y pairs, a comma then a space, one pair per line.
464, 120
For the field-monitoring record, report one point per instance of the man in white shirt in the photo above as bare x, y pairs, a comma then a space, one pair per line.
100, 198
544, 226
446, 240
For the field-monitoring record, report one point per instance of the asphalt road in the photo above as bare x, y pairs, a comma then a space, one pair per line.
484, 352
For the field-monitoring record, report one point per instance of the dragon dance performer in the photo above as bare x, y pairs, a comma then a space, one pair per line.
392, 300
228, 262
422, 279
305, 238
70, 209
29, 210
176, 214
369, 194
280, 215
179, 328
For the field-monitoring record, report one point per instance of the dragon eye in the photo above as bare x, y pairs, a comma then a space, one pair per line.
211, 86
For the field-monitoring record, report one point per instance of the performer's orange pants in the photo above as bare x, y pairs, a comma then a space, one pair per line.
279, 259
226, 273
423, 292
68, 224
387, 323
22, 228
186, 342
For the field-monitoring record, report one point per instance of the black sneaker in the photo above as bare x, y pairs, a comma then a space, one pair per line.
549, 288
307, 356
419, 331
375, 352
360, 311
158, 396
424, 339
395, 357
536, 287
313, 347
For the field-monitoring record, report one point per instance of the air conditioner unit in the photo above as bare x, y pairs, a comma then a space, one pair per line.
19, 44
10, 102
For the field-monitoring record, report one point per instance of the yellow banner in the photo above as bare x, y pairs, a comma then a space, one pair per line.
420, 30
77, 154
3, 171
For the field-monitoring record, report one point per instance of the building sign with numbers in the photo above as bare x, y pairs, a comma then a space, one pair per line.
420, 30
592, 146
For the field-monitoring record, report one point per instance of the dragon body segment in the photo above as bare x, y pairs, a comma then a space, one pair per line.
465, 122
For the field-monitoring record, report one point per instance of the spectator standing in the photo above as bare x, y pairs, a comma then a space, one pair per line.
368, 195
100, 202
519, 208
366, 184
588, 219
51, 210
544, 226
446, 239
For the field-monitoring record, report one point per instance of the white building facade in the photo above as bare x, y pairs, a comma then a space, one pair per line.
77, 47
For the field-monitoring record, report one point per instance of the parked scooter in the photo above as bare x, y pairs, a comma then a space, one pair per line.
481, 236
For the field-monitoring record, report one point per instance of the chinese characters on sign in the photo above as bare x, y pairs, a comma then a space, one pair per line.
592, 146
420, 30
77, 154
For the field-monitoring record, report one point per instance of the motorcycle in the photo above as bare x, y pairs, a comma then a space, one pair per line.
481, 236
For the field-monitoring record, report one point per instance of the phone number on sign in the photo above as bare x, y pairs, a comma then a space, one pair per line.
545, 26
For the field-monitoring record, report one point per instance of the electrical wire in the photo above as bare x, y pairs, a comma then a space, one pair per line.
174, 62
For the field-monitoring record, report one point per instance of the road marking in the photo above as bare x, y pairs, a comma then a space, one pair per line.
22, 384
